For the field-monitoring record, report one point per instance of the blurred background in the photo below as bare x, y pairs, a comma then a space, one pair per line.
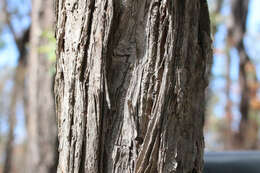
28, 134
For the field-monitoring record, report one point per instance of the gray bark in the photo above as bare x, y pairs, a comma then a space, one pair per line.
41, 123
130, 85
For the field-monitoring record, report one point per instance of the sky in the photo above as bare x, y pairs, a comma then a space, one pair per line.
9, 55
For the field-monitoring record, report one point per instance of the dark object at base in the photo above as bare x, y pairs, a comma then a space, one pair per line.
232, 162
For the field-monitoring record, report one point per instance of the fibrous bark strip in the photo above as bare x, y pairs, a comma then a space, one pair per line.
130, 85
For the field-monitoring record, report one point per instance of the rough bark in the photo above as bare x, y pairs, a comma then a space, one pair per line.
130, 83
236, 31
41, 123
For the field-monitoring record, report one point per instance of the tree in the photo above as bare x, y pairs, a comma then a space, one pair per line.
41, 123
18, 85
19, 76
129, 85
248, 129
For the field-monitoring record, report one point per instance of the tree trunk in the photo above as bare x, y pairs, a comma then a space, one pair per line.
10, 137
228, 135
130, 84
237, 30
18, 85
41, 123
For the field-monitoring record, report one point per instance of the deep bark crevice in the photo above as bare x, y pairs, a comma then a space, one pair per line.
143, 62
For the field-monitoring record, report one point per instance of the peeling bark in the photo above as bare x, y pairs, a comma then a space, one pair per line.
130, 83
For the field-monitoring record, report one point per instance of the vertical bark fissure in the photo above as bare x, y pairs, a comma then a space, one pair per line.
141, 110
93, 35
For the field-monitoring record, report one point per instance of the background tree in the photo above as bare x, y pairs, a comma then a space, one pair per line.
41, 152
130, 83
21, 39
248, 130
232, 44
41, 122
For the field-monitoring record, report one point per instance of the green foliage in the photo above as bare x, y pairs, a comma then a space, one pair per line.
254, 116
216, 19
2, 44
48, 48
